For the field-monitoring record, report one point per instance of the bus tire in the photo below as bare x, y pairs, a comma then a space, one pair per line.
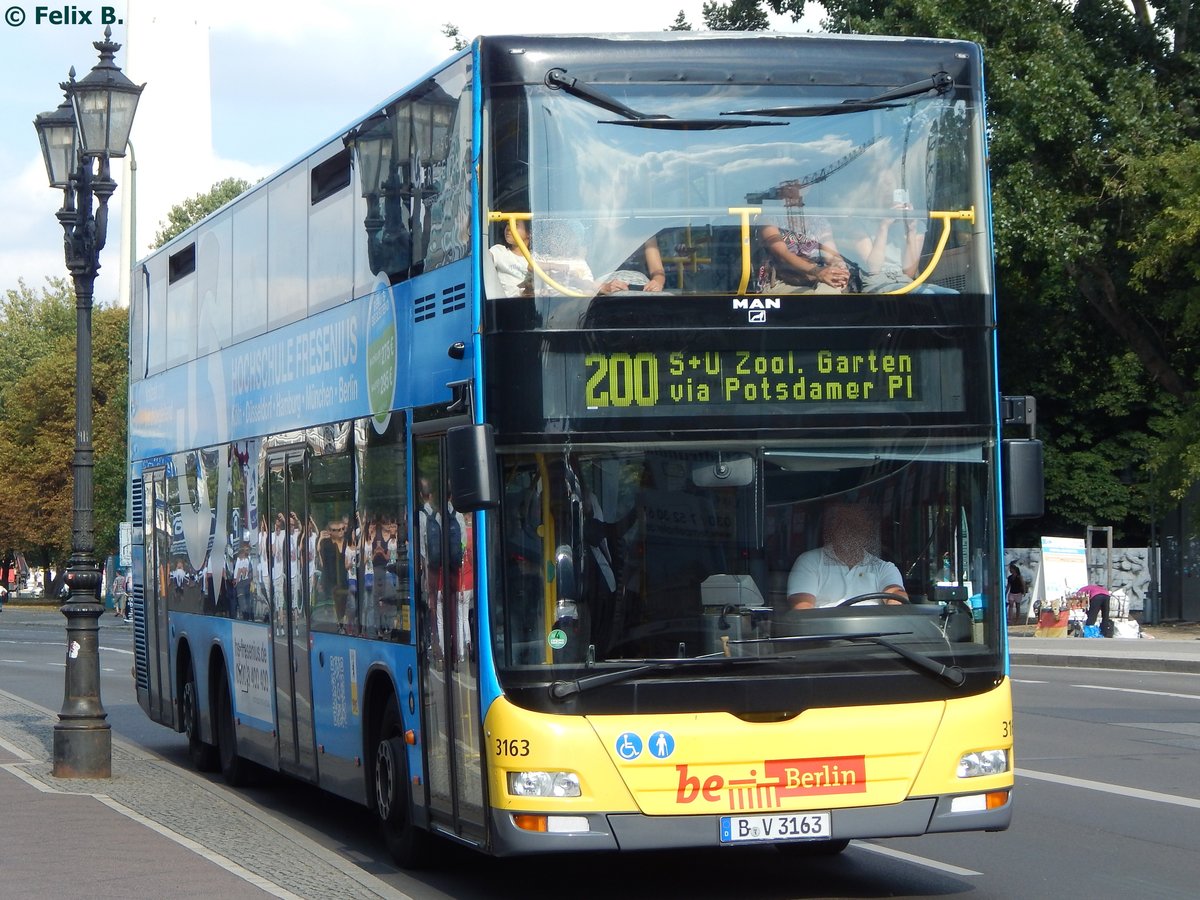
202, 754
812, 849
234, 769
408, 844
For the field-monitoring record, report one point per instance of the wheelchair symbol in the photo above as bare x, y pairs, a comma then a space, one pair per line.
629, 746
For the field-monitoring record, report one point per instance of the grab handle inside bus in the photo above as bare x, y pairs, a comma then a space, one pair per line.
947, 216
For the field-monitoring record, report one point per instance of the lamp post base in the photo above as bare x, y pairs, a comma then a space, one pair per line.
82, 736
82, 750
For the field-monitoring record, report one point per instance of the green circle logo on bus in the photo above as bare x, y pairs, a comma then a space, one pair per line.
381, 354
557, 639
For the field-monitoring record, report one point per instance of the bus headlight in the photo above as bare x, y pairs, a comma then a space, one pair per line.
543, 784
983, 762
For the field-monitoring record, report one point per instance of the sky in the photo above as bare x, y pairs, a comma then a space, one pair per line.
285, 76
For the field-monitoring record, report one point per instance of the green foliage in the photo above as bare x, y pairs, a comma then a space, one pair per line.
1095, 176
681, 23
451, 31
184, 215
29, 320
736, 15
37, 422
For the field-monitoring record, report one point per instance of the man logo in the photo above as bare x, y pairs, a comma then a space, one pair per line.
756, 303
756, 307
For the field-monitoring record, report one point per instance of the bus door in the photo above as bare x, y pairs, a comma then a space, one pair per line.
157, 548
445, 565
287, 505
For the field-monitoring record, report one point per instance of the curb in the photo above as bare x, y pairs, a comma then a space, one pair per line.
1142, 663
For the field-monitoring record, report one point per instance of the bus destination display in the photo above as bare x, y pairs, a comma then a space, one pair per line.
671, 382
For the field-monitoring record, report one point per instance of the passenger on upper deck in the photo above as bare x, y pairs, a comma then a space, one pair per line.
847, 565
643, 271
801, 254
512, 267
888, 260
560, 254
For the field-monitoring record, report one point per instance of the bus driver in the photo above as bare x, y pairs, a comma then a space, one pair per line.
847, 565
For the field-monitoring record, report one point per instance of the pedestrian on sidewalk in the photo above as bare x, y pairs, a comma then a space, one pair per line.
1098, 605
1015, 592
121, 595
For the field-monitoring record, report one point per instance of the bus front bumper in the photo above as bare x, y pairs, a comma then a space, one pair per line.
633, 831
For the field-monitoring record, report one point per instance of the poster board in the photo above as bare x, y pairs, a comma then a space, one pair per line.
1063, 572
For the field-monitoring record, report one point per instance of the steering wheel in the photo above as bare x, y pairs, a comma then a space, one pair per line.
874, 595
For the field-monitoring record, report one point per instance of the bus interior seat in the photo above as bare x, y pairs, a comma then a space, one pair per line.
730, 590
953, 269
491, 280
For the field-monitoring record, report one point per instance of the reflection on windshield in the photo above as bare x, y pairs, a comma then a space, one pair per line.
602, 199
635, 554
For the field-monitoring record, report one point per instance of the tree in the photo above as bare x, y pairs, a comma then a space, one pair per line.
184, 215
29, 322
451, 31
37, 444
681, 23
736, 15
1092, 129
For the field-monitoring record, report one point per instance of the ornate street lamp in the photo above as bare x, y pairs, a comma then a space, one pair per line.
95, 126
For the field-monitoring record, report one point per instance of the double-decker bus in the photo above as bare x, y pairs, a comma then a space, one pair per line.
508, 545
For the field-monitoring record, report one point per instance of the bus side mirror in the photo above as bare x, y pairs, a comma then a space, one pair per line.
1022, 475
471, 465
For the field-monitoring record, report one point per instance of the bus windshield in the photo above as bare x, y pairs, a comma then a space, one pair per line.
613, 200
633, 553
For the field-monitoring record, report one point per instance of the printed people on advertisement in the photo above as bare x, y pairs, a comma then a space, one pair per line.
429, 545
241, 582
350, 556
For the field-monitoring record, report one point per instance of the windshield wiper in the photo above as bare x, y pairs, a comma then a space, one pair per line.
561, 690
938, 84
559, 79
953, 674
666, 123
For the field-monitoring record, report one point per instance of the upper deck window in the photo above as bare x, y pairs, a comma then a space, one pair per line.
614, 201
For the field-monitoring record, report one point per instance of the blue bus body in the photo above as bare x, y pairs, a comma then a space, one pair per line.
531, 645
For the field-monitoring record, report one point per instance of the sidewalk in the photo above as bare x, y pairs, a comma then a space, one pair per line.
152, 830
1106, 653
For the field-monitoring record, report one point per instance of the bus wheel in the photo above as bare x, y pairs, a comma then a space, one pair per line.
234, 769
409, 845
202, 754
812, 849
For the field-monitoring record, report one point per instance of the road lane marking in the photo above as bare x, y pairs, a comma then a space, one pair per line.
1100, 687
917, 860
1117, 789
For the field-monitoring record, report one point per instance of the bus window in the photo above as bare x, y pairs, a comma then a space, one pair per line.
448, 225
331, 498
383, 498
695, 191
